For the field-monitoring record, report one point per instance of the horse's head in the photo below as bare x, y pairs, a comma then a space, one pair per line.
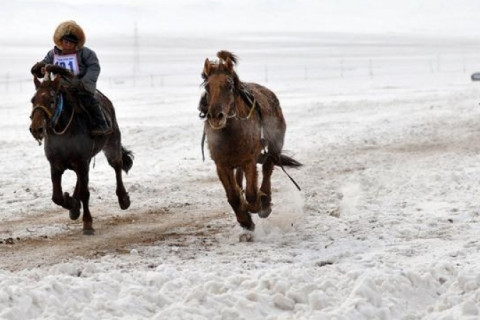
44, 103
220, 84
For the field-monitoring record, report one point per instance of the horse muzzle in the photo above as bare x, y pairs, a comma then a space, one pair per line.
217, 122
38, 132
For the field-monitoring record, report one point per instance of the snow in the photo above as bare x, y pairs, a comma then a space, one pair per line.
386, 225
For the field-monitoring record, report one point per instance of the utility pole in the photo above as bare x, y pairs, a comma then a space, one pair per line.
136, 55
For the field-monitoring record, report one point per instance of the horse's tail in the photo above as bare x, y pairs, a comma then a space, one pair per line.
286, 161
127, 159
282, 161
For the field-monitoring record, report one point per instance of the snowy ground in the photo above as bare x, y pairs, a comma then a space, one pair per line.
386, 227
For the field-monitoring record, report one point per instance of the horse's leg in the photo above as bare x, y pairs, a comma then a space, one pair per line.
122, 194
82, 172
56, 176
234, 197
276, 134
239, 177
74, 212
113, 152
251, 189
266, 189
58, 197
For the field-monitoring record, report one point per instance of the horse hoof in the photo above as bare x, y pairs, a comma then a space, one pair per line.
265, 206
246, 237
88, 232
74, 212
265, 212
124, 202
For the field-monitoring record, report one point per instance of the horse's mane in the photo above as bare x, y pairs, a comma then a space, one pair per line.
70, 100
223, 55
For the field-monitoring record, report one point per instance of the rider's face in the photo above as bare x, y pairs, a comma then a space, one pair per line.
67, 45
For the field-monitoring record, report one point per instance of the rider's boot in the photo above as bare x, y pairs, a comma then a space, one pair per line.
100, 126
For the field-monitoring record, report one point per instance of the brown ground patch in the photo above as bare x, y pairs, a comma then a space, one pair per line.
114, 234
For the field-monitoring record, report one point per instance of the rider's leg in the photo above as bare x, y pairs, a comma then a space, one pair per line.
99, 123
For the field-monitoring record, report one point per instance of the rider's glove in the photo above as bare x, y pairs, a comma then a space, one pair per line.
37, 69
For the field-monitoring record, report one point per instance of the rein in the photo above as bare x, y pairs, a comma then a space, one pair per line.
59, 133
252, 108
43, 108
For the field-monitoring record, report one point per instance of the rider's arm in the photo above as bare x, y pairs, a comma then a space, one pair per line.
92, 70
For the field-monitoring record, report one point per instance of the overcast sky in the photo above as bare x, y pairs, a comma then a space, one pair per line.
22, 19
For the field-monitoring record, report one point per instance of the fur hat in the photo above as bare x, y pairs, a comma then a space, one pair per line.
69, 30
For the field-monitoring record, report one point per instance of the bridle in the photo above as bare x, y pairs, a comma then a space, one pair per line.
53, 117
44, 109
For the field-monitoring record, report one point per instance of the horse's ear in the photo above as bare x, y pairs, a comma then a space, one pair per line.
206, 68
36, 82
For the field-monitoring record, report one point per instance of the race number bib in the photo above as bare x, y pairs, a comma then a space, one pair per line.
68, 62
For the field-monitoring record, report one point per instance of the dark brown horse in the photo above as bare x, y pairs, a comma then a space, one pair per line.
244, 126
58, 119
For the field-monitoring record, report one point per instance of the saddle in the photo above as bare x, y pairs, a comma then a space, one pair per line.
105, 106
84, 101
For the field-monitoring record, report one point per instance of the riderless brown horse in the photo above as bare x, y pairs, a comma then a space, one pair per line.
244, 126
58, 119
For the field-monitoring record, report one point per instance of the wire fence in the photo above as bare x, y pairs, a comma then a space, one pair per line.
283, 71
